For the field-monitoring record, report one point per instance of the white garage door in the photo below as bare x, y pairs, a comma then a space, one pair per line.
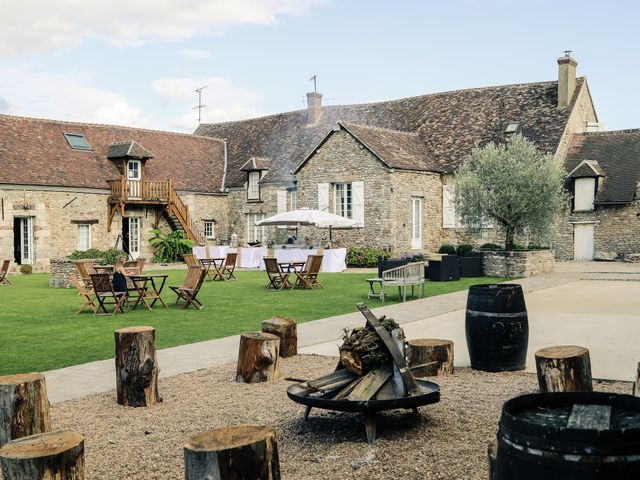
583, 241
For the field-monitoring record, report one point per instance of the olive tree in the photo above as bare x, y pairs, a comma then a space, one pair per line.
513, 185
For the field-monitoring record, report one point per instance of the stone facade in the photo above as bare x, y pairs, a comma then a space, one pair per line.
517, 264
56, 213
387, 196
616, 229
60, 270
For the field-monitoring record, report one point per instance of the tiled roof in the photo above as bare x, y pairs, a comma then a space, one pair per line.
128, 149
255, 163
450, 124
396, 149
588, 168
35, 152
617, 154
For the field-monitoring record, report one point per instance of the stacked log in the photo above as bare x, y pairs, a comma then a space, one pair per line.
24, 406
247, 451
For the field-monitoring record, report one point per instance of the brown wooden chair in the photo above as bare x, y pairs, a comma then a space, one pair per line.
4, 271
225, 272
85, 269
106, 295
191, 287
140, 263
278, 279
308, 276
130, 263
89, 297
191, 260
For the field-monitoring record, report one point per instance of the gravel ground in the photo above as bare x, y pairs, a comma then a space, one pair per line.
445, 441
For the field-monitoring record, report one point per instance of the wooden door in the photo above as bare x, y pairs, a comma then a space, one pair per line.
583, 241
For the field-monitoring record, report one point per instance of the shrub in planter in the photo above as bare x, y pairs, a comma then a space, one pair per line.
364, 257
490, 246
26, 269
413, 257
448, 249
464, 248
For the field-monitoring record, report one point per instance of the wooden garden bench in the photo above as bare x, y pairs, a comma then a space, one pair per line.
411, 274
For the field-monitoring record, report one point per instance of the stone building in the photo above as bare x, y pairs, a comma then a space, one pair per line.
603, 218
388, 165
74, 186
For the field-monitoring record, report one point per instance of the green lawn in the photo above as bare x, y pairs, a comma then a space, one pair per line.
40, 331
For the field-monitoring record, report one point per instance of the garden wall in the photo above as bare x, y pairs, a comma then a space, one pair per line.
519, 263
60, 270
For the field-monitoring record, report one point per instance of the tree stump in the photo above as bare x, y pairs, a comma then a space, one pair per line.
564, 368
287, 330
437, 353
24, 406
258, 358
136, 367
46, 456
636, 385
247, 451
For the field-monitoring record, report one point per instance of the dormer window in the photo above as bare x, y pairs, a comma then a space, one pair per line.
77, 141
512, 127
253, 185
584, 192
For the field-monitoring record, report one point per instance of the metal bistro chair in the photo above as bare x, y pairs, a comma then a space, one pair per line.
106, 295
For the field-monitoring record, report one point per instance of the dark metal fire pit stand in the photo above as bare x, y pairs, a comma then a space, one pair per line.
420, 392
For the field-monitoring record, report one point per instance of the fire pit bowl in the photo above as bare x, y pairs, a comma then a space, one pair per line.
429, 393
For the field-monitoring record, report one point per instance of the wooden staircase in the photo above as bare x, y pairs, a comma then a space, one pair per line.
161, 195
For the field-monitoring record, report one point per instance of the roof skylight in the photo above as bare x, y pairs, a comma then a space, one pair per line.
77, 141
512, 127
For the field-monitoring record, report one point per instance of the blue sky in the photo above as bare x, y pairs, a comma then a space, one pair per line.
138, 62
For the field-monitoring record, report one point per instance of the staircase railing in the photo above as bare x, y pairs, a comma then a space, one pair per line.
181, 211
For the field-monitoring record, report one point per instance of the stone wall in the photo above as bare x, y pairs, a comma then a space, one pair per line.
518, 263
616, 230
60, 270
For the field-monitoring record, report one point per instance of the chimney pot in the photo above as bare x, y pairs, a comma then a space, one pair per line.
566, 79
314, 107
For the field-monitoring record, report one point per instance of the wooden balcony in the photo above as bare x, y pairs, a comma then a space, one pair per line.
140, 191
153, 192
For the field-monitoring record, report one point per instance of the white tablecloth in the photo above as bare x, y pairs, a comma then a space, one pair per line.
334, 259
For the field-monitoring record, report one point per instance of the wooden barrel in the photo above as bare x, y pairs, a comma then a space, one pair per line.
496, 327
569, 436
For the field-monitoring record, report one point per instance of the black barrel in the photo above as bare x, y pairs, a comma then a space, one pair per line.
569, 436
497, 328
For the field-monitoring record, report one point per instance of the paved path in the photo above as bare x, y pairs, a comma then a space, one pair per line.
563, 308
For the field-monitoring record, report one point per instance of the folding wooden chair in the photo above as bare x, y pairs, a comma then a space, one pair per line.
308, 276
130, 263
89, 297
85, 269
140, 262
3, 273
225, 271
191, 260
191, 287
103, 288
278, 280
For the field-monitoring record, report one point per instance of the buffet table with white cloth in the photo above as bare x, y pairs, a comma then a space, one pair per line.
334, 259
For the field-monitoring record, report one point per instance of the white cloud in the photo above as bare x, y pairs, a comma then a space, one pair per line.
224, 101
4, 105
48, 26
196, 54
69, 96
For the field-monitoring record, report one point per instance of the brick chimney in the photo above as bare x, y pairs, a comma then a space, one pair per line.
314, 107
566, 79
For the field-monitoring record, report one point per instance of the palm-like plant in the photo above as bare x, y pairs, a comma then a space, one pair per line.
169, 247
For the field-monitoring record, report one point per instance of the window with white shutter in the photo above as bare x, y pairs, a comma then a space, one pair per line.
416, 223
323, 197
253, 185
84, 237
293, 200
281, 203
357, 202
448, 206
584, 190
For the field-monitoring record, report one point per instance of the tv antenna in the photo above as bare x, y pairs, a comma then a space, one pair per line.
315, 87
200, 106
